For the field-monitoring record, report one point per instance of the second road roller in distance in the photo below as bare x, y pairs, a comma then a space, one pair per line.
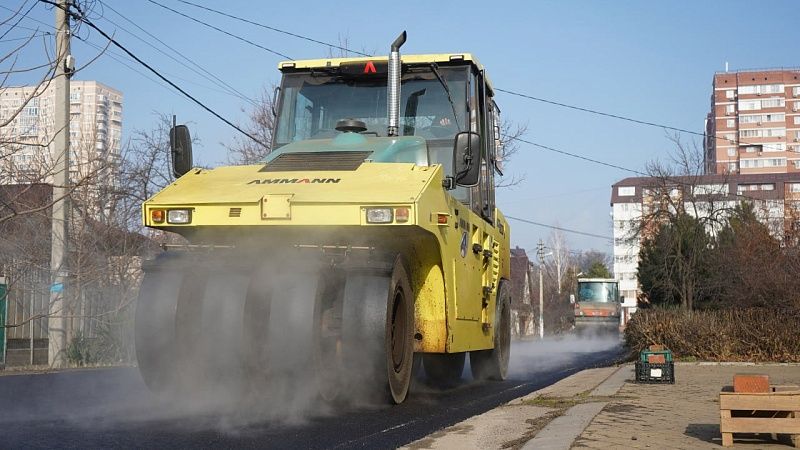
365, 244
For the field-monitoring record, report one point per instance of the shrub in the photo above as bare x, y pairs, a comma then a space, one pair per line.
753, 334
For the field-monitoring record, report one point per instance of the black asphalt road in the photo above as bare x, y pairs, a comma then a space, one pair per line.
111, 408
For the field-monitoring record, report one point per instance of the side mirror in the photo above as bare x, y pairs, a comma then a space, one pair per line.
180, 144
466, 158
571, 299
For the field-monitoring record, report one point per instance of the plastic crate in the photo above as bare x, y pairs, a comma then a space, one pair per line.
655, 372
645, 353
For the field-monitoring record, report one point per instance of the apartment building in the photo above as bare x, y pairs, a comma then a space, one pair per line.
753, 126
776, 198
95, 132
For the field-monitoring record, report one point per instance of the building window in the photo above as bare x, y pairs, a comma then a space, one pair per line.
626, 191
732, 167
749, 105
711, 189
729, 94
796, 91
758, 163
794, 187
797, 164
772, 103
729, 109
730, 123
732, 152
755, 187
797, 120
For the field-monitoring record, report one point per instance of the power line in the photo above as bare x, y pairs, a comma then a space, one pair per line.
670, 179
36, 34
566, 230
235, 36
24, 15
625, 118
289, 33
120, 59
209, 76
81, 17
577, 156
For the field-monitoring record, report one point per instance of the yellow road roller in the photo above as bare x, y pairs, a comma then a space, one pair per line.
364, 247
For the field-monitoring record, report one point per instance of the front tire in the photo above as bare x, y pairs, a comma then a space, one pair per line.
493, 364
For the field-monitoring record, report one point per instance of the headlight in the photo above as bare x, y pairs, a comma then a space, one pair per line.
179, 216
379, 215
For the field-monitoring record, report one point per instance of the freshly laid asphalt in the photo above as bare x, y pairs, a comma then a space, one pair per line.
111, 408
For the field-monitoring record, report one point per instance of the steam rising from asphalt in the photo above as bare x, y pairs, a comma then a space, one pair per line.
531, 357
250, 356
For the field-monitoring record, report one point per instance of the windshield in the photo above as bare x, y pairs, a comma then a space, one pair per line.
312, 103
597, 292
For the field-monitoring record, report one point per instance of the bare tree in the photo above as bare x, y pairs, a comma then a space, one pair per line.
260, 124
510, 132
560, 260
682, 210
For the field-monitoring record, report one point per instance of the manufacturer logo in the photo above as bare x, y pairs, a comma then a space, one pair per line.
295, 181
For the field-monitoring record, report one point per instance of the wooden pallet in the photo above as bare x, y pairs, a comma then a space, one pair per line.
776, 412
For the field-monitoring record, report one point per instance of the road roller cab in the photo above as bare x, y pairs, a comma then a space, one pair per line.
361, 240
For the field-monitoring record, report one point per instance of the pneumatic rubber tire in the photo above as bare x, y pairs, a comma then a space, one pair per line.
493, 364
444, 369
399, 337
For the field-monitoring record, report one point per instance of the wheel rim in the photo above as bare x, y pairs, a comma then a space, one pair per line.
399, 328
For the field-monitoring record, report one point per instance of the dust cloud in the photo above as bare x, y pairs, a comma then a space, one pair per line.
236, 341
531, 357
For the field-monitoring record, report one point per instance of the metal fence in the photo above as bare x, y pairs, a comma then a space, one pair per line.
89, 307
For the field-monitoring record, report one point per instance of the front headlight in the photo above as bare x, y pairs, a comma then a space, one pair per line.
179, 216
379, 215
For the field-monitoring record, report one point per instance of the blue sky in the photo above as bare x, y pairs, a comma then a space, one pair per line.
648, 60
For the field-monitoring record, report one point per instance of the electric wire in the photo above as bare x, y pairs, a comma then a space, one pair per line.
235, 36
80, 17
197, 68
629, 119
670, 179
554, 227
19, 19
289, 33
122, 60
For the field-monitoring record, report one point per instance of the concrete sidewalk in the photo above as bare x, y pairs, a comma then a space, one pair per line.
604, 408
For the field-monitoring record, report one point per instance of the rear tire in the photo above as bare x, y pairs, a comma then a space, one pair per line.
493, 364
444, 369
399, 337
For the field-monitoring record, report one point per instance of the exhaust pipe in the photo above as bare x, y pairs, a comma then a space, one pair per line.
393, 95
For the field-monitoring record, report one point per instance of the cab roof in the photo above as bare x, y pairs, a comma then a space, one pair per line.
301, 64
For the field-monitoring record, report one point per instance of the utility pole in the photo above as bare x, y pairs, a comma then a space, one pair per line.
57, 317
540, 253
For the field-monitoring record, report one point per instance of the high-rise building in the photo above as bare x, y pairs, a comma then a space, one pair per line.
754, 123
27, 115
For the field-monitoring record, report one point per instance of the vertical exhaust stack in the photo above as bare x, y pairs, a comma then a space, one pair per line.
393, 95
